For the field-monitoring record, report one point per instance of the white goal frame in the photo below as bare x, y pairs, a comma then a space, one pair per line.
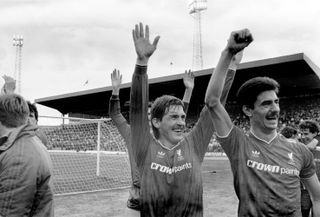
106, 146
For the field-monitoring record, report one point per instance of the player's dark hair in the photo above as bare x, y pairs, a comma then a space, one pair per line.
249, 91
14, 110
160, 107
33, 109
312, 125
289, 132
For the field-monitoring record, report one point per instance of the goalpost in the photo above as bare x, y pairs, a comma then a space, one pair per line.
88, 155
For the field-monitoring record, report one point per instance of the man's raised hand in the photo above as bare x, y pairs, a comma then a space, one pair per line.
188, 79
144, 48
238, 40
9, 85
116, 80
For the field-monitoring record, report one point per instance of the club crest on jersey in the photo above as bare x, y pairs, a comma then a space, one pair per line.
161, 154
180, 157
291, 161
255, 154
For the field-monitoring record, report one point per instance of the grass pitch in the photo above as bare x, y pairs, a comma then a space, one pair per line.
218, 196
75, 172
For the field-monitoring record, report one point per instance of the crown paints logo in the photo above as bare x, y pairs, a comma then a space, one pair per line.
272, 168
255, 154
170, 170
161, 154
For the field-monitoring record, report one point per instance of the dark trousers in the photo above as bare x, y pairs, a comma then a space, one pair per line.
306, 203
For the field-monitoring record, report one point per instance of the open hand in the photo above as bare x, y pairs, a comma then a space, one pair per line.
144, 48
116, 79
188, 79
9, 85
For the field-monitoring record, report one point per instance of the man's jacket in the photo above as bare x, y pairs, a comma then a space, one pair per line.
25, 175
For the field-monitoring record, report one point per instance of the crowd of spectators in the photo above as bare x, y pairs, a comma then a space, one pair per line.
84, 136
293, 111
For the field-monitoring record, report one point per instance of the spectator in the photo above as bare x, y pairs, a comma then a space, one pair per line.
290, 133
25, 164
310, 137
33, 120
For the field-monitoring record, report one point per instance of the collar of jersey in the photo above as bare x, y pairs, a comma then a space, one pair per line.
170, 149
263, 139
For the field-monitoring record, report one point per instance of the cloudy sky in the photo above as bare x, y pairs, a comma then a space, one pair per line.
67, 42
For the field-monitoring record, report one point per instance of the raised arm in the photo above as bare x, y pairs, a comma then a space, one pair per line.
140, 132
237, 42
205, 112
114, 107
9, 85
230, 76
188, 81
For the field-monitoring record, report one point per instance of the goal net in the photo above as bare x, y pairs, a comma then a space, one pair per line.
88, 155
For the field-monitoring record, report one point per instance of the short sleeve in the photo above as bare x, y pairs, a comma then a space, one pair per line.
308, 164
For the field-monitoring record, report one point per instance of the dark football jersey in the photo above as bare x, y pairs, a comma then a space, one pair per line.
267, 175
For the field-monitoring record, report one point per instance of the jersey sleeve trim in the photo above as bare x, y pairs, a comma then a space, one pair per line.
226, 134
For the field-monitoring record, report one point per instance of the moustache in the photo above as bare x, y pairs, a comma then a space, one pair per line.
273, 114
